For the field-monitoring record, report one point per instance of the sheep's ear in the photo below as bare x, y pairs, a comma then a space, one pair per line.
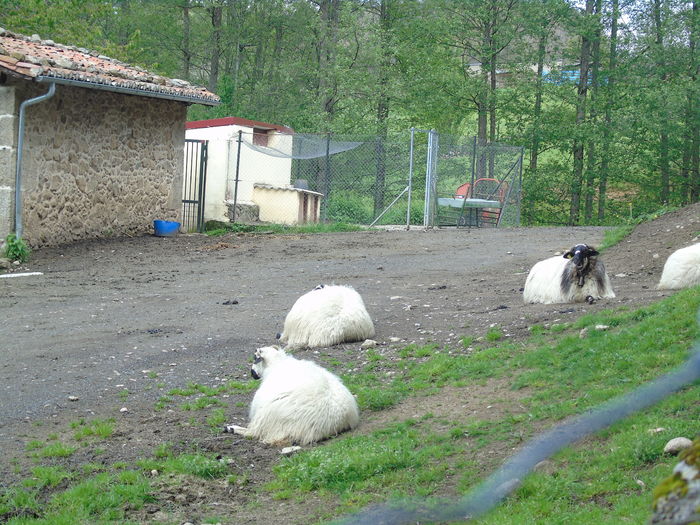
592, 252
568, 255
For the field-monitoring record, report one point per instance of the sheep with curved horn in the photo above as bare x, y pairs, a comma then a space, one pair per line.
577, 276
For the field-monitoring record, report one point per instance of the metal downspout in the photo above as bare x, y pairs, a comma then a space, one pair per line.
20, 143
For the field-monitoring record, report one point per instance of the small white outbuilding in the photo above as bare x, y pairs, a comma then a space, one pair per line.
249, 173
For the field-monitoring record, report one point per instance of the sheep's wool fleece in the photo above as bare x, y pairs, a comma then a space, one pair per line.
325, 317
543, 283
300, 402
682, 269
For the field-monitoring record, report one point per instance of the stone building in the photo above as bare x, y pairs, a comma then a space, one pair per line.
92, 147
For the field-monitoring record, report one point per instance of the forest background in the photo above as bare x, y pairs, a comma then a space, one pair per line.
602, 94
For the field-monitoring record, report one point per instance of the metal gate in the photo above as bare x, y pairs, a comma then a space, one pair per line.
194, 185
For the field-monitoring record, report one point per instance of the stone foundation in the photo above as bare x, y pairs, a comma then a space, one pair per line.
245, 212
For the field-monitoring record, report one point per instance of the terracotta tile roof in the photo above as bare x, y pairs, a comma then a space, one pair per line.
236, 121
32, 58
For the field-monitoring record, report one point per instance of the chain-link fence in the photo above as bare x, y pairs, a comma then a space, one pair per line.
296, 178
475, 184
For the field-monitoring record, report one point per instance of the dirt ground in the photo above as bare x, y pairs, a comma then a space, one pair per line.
148, 314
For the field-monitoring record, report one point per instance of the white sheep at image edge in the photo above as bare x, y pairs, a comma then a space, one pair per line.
298, 402
577, 276
682, 269
327, 315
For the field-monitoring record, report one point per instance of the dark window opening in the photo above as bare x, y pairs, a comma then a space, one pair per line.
261, 136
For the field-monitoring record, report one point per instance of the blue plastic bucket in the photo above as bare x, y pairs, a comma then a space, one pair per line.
165, 228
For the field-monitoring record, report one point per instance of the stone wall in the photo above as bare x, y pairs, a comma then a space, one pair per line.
8, 143
99, 164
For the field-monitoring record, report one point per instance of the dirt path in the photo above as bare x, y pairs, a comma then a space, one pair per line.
107, 316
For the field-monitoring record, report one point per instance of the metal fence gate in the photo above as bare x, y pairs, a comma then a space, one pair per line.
194, 185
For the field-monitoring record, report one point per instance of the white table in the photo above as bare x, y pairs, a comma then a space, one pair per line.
471, 209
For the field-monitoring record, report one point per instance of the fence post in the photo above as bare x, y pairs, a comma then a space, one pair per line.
428, 219
410, 180
326, 180
471, 188
238, 166
520, 184
203, 159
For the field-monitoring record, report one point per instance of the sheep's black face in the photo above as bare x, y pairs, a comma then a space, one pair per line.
257, 368
580, 255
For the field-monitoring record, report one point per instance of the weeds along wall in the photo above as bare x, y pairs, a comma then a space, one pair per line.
358, 179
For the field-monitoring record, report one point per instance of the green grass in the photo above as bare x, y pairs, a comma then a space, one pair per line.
47, 476
100, 498
614, 235
494, 334
221, 228
101, 428
230, 386
190, 464
55, 450
559, 375
216, 419
202, 403
400, 454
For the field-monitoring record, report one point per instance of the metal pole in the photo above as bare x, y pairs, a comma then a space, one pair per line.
410, 180
426, 205
428, 219
20, 146
238, 167
520, 183
407, 188
327, 179
203, 158
471, 188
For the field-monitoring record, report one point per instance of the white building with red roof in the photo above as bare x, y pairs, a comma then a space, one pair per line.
249, 173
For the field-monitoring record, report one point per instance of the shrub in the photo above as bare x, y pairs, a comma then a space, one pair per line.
352, 209
16, 249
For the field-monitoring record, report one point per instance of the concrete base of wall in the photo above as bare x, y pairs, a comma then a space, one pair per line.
244, 212
7, 199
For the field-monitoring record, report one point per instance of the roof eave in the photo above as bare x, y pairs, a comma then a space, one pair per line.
126, 90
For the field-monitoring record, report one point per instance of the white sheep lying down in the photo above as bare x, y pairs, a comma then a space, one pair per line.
682, 269
298, 402
577, 276
327, 315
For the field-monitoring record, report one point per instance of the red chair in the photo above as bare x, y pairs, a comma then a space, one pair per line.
464, 191
493, 190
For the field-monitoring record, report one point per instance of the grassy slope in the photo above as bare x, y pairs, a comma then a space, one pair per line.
605, 479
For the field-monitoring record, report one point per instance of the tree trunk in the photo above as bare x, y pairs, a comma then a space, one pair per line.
537, 112
186, 52
215, 11
383, 104
694, 105
578, 149
329, 11
591, 161
607, 129
664, 169
483, 100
